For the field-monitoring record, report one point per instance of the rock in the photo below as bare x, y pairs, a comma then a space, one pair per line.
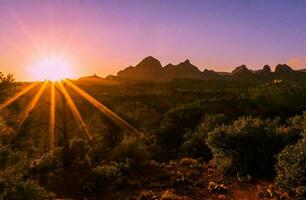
261, 195
244, 179
269, 194
190, 162
147, 195
215, 187
170, 195
222, 197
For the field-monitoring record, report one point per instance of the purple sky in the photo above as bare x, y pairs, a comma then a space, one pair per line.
105, 36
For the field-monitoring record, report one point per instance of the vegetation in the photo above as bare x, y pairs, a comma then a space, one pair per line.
291, 168
188, 129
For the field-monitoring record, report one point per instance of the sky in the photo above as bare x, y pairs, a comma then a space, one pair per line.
103, 37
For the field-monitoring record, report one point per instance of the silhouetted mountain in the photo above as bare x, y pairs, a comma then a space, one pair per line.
150, 69
283, 68
224, 73
210, 74
94, 79
302, 70
241, 70
242, 73
184, 70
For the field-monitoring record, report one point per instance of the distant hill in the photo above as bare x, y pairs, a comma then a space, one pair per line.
150, 69
94, 79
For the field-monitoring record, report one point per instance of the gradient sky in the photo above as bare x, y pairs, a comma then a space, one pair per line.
105, 36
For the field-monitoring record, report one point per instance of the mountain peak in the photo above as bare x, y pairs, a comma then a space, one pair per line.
266, 68
186, 61
242, 69
283, 68
150, 62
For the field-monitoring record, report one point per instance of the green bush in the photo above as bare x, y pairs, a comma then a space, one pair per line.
195, 142
131, 150
79, 153
47, 161
249, 145
291, 168
175, 125
104, 177
8, 156
12, 186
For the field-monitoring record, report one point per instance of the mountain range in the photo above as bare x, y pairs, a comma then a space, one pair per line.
150, 69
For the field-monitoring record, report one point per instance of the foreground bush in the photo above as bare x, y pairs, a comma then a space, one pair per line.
48, 161
104, 177
291, 168
13, 186
249, 145
131, 150
195, 142
177, 123
79, 153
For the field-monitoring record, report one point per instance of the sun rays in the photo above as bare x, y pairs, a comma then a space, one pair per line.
17, 95
60, 87
52, 114
75, 111
113, 116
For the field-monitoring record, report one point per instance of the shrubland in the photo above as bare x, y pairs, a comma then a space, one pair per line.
254, 129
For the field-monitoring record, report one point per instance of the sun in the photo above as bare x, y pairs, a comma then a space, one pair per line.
51, 68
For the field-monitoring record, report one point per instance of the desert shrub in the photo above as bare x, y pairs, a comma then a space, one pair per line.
175, 125
297, 122
104, 177
131, 150
100, 151
249, 145
79, 152
291, 168
47, 161
195, 141
7, 85
8, 156
13, 186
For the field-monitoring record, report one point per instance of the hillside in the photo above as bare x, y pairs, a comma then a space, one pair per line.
94, 79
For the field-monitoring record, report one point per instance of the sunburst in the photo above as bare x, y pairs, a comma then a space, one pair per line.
73, 108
